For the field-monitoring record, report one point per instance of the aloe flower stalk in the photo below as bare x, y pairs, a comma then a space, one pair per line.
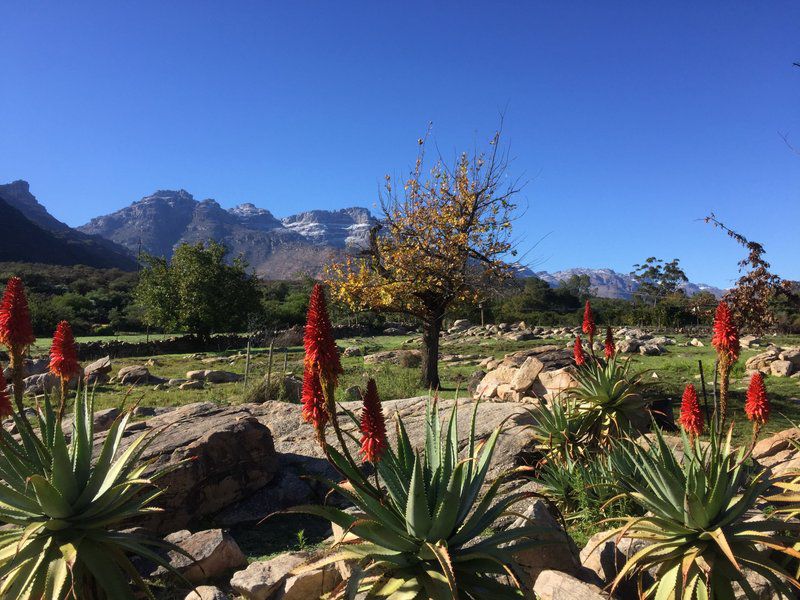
64, 359
609, 348
16, 333
756, 406
725, 340
313, 399
5, 401
580, 357
589, 328
373, 426
691, 418
321, 353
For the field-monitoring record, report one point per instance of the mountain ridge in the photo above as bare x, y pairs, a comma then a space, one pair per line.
275, 248
32, 234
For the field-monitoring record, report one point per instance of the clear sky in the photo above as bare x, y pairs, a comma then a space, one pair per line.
629, 120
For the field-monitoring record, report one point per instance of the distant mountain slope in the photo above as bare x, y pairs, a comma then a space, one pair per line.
607, 283
31, 234
276, 249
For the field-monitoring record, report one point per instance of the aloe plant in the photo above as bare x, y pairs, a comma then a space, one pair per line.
430, 532
607, 399
699, 538
62, 508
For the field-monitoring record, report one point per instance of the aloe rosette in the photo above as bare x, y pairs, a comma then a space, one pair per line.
62, 506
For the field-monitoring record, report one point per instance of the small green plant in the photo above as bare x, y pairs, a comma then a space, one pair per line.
697, 526
302, 542
556, 429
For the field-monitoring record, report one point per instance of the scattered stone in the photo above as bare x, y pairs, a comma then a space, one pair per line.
97, 371
793, 356
353, 351
696, 343
352, 393
749, 341
528, 373
215, 553
651, 349
474, 381
260, 580
192, 385
136, 375
407, 358
175, 382
781, 368
206, 592
628, 346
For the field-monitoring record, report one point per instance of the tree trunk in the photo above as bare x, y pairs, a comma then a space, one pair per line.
431, 329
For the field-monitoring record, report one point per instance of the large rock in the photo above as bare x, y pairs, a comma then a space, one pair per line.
552, 384
779, 452
557, 551
231, 454
215, 553
793, 356
761, 362
276, 579
603, 557
261, 580
557, 585
299, 453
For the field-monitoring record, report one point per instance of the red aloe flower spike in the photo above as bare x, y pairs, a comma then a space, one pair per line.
5, 401
691, 417
756, 407
314, 411
16, 332
726, 336
373, 426
580, 358
321, 352
64, 353
589, 327
609, 349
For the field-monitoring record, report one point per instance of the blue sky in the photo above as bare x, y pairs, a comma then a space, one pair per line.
629, 120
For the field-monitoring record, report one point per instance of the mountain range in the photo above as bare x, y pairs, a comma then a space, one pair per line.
608, 283
275, 248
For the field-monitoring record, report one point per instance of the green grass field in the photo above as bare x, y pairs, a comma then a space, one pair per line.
664, 376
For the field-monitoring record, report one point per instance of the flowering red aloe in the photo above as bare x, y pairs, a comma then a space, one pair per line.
589, 327
314, 411
16, 332
373, 425
5, 401
580, 358
64, 353
756, 407
321, 352
691, 417
608, 348
726, 336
